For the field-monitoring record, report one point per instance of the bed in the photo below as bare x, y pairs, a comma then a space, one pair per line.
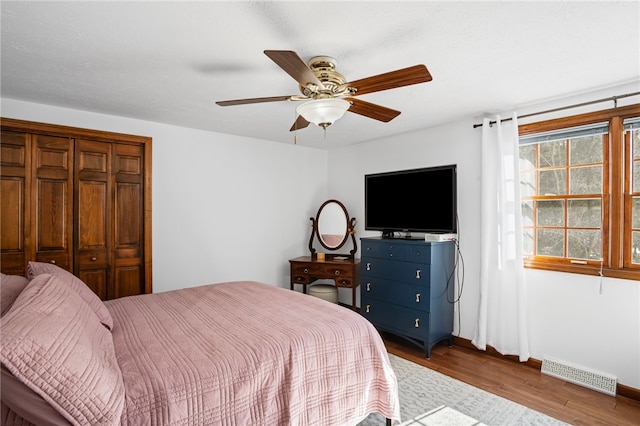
235, 353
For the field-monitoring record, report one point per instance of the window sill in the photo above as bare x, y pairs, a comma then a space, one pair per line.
628, 274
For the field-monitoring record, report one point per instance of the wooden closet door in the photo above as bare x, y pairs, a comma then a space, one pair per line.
15, 184
52, 166
128, 220
93, 215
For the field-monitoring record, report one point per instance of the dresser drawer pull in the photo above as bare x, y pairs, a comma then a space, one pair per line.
417, 324
337, 272
306, 270
52, 261
368, 286
390, 254
93, 259
368, 309
299, 279
417, 297
418, 274
368, 266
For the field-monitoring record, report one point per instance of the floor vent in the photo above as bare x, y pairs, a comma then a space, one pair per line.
595, 380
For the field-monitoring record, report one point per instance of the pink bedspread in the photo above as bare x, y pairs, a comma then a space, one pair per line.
245, 353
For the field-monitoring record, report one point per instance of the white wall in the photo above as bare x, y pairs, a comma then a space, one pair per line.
224, 208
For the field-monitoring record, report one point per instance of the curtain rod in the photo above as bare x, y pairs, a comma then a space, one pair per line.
611, 98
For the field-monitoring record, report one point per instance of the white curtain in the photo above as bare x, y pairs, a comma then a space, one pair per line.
502, 314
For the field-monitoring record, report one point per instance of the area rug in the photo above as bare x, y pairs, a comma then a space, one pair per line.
422, 390
442, 416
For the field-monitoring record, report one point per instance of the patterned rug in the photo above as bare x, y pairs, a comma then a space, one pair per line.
442, 416
424, 391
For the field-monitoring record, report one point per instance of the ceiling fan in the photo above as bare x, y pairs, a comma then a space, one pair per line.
328, 93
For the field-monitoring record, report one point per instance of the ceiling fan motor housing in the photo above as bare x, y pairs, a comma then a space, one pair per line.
324, 68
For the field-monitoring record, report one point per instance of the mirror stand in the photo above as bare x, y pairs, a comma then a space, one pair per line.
332, 227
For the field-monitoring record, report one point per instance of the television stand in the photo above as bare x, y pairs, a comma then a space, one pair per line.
390, 235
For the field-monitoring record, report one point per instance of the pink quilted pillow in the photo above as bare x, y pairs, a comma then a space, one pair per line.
36, 268
53, 342
10, 288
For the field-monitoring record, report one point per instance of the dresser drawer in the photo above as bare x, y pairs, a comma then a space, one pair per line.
385, 250
415, 273
398, 250
395, 318
320, 270
409, 295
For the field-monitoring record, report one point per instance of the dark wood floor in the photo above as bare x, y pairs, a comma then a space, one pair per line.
523, 384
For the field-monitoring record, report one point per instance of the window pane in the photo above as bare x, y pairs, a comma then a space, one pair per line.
550, 242
527, 184
553, 154
635, 249
527, 241
635, 137
527, 213
585, 150
584, 213
584, 244
553, 182
585, 180
636, 176
550, 213
527, 157
635, 214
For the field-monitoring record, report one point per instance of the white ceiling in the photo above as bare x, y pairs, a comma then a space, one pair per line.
169, 62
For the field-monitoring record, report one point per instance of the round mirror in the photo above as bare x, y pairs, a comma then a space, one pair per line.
332, 221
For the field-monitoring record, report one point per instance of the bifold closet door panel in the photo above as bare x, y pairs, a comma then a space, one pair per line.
52, 165
15, 181
128, 220
93, 215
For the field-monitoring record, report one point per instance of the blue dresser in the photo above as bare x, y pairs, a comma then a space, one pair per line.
408, 288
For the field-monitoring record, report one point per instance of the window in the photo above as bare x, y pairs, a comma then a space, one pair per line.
580, 189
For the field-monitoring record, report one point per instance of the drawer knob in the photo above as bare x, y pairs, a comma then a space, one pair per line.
53, 261
93, 259
368, 286
390, 254
417, 297
337, 272
368, 266
306, 270
368, 308
418, 274
417, 323
344, 282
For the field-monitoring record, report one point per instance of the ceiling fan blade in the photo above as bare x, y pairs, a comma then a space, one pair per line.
391, 80
377, 112
254, 100
300, 123
293, 65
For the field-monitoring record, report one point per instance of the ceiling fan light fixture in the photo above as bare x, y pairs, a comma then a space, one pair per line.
323, 112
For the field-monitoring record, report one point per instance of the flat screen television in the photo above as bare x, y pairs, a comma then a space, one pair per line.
417, 200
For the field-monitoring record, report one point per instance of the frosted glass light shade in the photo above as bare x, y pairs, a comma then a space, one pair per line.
323, 112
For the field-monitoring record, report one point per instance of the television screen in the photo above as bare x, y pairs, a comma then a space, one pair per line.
418, 200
